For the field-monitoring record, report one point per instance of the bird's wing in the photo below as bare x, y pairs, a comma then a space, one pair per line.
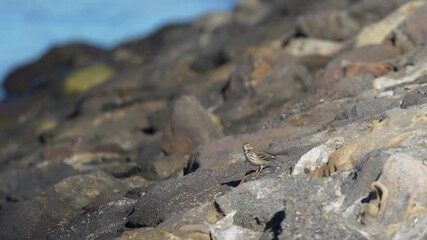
266, 156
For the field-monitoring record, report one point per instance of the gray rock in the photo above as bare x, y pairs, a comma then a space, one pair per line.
237, 66
287, 207
254, 203
190, 126
24, 183
397, 196
238, 85
106, 221
317, 156
164, 199
364, 174
410, 33
369, 108
417, 96
333, 25
405, 75
60, 202
163, 167
225, 229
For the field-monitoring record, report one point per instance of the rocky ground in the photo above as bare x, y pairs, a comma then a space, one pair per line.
144, 141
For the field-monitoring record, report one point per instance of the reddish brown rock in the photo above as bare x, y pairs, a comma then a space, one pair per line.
365, 61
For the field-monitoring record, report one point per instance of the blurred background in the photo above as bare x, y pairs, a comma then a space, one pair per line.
30, 28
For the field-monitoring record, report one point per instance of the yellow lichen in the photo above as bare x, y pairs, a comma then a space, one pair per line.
84, 79
45, 126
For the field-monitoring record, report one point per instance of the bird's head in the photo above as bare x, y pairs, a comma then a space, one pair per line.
246, 147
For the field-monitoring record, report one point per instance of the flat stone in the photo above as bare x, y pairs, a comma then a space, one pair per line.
105, 221
167, 198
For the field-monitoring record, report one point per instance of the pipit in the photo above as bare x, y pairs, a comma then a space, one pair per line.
256, 158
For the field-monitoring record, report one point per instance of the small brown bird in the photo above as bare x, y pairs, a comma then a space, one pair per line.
256, 158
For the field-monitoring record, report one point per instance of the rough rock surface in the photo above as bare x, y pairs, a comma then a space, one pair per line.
144, 141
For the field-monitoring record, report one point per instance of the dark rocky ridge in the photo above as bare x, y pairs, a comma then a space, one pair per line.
143, 141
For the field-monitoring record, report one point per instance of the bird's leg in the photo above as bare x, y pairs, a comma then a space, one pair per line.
258, 171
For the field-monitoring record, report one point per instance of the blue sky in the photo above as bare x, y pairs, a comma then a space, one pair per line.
30, 27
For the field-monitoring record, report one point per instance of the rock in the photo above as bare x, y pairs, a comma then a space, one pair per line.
25, 132
148, 234
194, 223
252, 204
227, 151
331, 25
167, 198
349, 87
417, 96
168, 42
262, 77
317, 156
251, 12
368, 12
278, 210
303, 47
369, 109
239, 84
95, 130
368, 60
391, 131
163, 167
43, 73
412, 230
137, 153
398, 195
377, 32
354, 69
224, 229
23, 184
106, 221
258, 84
190, 126
212, 21
212, 60
81, 80
60, 202
409, 34
366, 172
409, 74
